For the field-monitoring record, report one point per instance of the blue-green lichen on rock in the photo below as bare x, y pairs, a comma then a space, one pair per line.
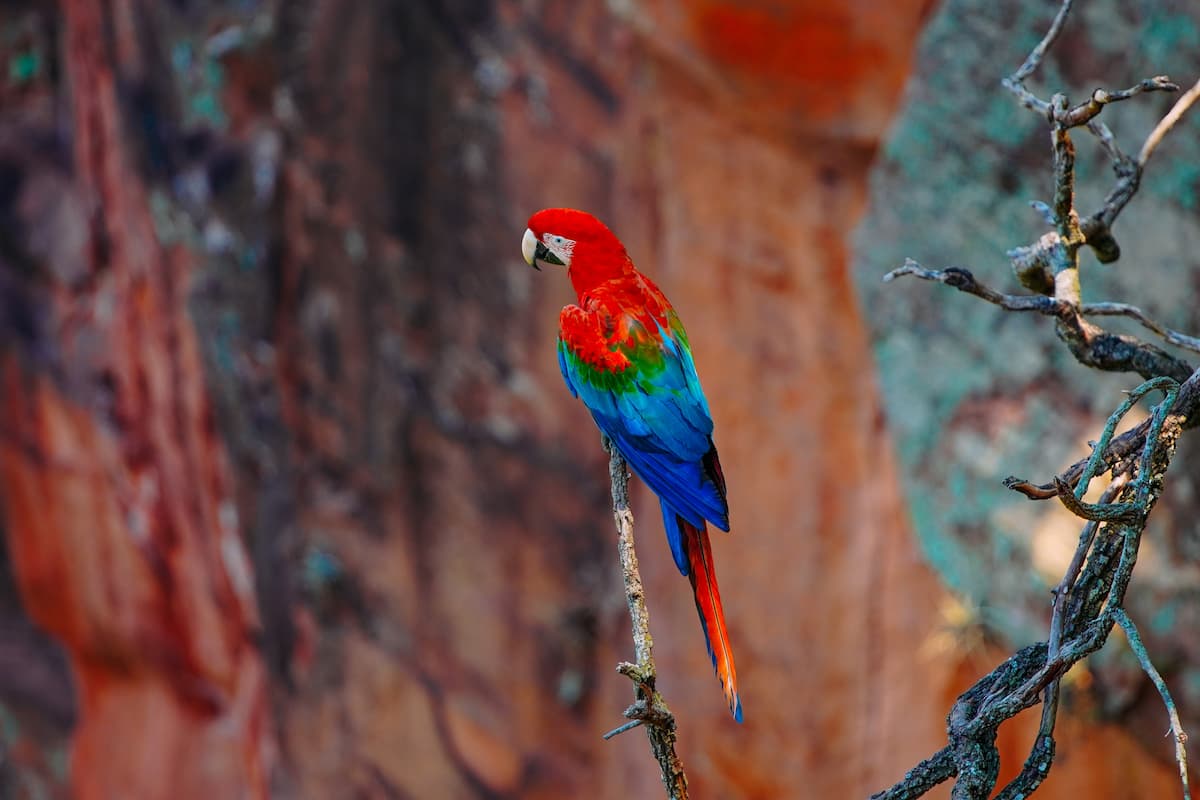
973, 393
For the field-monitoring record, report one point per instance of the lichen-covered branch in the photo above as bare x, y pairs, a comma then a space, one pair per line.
1034, 59
964, 280
649, 708
1087, 606
1084, 113
931, 772
1177, 732
1091, 345
1176, 338
1097, 227
1186, 410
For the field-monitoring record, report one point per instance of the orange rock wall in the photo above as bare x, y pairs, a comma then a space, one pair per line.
122, 532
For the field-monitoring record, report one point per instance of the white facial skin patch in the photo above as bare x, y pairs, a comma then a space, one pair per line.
560, 246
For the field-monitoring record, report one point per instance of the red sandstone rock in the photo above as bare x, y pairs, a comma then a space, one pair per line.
124, 538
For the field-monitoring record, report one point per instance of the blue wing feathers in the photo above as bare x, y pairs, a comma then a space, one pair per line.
688, 369
675, 540
668, 455
566, 373
681, 484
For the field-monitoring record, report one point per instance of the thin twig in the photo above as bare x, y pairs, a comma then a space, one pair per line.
1106, 139
1166, 123
1084, 113
1133, 312
648, 707
1062, 592
1041, 755
963, 280
1034, 59
628, 726
1177, 732
1092, 466
1037, 764
1064, 262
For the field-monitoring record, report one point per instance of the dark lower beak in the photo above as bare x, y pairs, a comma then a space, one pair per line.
543, 253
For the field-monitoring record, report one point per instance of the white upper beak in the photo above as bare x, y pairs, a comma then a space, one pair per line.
529, 246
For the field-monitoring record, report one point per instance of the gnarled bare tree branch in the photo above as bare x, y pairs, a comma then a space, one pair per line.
1089, 600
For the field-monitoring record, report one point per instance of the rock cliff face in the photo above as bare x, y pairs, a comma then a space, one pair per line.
123, 533
362, 397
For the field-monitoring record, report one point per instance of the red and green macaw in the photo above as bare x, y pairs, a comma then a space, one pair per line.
624, 353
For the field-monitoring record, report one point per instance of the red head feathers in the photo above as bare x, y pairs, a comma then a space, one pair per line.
578, 241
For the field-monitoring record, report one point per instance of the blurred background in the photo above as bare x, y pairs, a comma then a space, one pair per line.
295, 503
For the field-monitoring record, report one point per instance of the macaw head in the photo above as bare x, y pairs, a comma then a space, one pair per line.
573, 239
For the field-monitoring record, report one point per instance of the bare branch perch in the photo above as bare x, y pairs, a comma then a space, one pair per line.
648, 707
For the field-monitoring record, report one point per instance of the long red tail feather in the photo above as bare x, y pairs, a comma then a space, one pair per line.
712, 617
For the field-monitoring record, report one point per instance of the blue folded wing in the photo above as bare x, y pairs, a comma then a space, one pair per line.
656, 415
